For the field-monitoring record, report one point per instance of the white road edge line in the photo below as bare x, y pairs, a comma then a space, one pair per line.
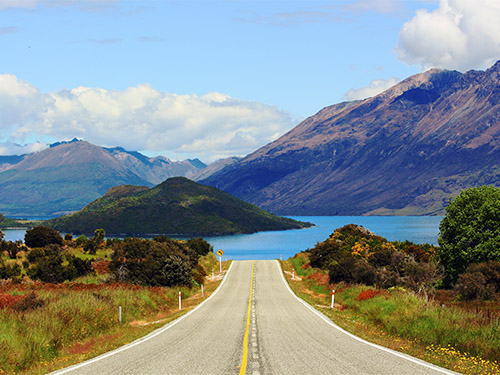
328, 321
145, 338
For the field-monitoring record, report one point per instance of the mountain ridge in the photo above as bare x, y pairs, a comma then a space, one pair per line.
404, 151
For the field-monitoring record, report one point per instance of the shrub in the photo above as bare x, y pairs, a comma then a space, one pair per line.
481, 281
10, 271
42, 236
81, 240
200, 246
469, 232
153, 263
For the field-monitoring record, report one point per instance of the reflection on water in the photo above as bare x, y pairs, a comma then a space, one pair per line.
272, 245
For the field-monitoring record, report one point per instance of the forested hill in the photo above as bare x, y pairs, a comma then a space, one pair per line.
176, 206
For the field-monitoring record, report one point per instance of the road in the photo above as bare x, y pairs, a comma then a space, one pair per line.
253, 319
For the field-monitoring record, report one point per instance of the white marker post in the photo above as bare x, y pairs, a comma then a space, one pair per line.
180, 305
333, 297
120, 314
202, 290
281, 257
293, 275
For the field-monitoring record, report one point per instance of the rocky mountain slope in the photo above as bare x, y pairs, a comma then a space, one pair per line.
69, 175
405, 151
176, 206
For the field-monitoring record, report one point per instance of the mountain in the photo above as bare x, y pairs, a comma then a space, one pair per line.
157, 169
176, 206
403, 152
69, 175
214, 168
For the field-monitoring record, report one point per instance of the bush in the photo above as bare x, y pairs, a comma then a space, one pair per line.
81, 240
42, 236
469, 232
153, 263
8, 271
481, 281
200, 246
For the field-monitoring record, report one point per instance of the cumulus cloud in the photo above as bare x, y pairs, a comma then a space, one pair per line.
460, 34
140, 118
375, 87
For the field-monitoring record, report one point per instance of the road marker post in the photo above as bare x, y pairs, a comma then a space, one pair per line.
120, 314
333, 298
202, 290
293, 275
180, 305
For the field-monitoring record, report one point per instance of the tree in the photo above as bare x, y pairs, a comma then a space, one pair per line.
42, 236
93, 244
470, 231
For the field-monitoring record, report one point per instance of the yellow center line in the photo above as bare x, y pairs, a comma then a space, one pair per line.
243, 367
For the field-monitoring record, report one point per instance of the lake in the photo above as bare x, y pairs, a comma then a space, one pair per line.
272, 245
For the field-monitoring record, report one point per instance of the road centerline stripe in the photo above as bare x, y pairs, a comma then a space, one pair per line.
244, 359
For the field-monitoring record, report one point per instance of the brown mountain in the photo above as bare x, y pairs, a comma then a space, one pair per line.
405, 151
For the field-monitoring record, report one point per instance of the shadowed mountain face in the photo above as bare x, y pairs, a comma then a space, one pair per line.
176, 206
405, 151
69, 175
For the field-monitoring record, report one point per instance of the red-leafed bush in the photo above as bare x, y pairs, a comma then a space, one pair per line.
320, 278
368, 294
101, 267
7, 300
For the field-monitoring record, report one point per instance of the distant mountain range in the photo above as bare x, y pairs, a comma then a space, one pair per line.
403, 152
177, 206
69, 175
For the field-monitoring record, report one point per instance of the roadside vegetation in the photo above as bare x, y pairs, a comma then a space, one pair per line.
440, 304
60, 297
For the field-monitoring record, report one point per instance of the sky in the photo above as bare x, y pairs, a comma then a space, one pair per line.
213, 79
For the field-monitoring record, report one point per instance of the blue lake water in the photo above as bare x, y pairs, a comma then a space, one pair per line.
272, 245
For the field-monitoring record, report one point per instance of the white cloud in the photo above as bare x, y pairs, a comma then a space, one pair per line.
460, 34
5, 4
140, 118
375, 87
378, 6
10, 148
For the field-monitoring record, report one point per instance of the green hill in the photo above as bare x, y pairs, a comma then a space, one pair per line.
176, 206
6, 223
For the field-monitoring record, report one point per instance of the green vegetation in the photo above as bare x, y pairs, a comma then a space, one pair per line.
449, 336
470, 231
42, 236
6, 223
177, 206
59, 300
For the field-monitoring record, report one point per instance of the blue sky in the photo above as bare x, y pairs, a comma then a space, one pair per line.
215, 78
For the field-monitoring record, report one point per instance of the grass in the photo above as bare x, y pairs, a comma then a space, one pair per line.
44, 327
446, 336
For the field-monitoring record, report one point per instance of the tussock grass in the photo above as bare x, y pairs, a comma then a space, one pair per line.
399, 319
71, 322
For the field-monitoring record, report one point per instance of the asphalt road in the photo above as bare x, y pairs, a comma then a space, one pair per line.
285, 336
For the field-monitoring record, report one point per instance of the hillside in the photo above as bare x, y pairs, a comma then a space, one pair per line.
176, 206
6, 223
69, 175
403, 152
